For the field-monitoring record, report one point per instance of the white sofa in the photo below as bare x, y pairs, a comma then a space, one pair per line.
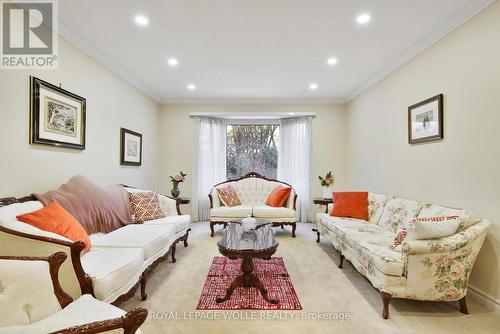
117, 263
431, 270
33, 302
253, 190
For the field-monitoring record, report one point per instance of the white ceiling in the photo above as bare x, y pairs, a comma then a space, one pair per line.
258, 49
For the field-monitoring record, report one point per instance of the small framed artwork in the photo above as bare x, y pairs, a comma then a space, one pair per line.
57, 117
425, 120
130, 147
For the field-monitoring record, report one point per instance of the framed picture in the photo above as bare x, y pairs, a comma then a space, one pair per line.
130, 147
57, 117
425, 120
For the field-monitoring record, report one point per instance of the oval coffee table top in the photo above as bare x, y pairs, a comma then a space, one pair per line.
243, 237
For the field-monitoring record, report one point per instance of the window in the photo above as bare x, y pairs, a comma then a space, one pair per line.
252, 148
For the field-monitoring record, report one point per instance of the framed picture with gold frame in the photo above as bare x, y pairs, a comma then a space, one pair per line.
57, 117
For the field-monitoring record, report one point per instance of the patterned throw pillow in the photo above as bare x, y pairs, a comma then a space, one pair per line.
145, 206
228, 196
427, 228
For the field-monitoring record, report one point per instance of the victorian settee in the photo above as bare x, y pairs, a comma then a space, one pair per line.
430, 270
33, 302
253, 190
118, 262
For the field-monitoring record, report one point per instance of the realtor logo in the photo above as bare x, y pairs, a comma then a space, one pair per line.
29, 34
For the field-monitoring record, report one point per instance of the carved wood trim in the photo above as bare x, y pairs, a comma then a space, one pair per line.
55, 260
75, 250
12, 200
130, 322
248, 176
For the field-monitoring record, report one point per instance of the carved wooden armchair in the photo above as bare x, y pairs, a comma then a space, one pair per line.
32, 301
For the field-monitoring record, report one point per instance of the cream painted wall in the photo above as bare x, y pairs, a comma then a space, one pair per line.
463, 169
111, 103
328, 140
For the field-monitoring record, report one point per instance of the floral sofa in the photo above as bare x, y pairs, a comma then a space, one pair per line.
33, 302
253, 190
431, 270
117, 263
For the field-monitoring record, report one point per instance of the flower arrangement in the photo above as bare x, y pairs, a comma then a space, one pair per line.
327, 183
328, 180
176, 179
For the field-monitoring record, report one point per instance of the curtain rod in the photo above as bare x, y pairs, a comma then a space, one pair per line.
254, 115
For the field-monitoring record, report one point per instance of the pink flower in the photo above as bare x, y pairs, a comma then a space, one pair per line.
456, 272
451, 294
177, 178
442, 260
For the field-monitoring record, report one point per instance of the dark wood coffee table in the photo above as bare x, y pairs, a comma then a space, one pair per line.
236, 243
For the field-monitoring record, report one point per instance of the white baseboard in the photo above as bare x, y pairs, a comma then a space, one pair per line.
484, 299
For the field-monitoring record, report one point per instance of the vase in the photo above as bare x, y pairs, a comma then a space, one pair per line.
327, 192
175, 189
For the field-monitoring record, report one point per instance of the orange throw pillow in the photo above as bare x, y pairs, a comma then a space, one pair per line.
278, 196
350, 204
53, 218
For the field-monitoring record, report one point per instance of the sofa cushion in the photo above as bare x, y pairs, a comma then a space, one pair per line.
350, 204
145, 206
398, 211
266, 211
239, 211
179, 222
370, 244
149, 238
376, 204
20, 302
85, 309
278, 197
111, 269
55, 219
228, 196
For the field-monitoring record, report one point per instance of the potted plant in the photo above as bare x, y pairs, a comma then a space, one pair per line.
327, 184
176, 179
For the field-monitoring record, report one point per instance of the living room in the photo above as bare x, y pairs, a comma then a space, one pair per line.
249, 166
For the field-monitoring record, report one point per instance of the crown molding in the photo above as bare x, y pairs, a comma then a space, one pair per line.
448, 26
252, 101
83, 44
444, 29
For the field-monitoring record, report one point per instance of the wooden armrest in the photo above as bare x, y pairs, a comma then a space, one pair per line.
130, 322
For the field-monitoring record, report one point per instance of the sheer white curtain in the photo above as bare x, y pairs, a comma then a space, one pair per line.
294, 162
209, 162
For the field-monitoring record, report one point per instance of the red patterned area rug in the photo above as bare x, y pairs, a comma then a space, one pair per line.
273, 275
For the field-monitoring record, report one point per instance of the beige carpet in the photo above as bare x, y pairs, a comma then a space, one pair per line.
323, 289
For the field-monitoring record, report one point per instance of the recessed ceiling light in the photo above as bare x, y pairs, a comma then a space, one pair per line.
191, 87
331, 61
363, 18
313, 86
172, 61
141, 20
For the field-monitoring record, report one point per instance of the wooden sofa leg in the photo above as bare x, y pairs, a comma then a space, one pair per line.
186, 237
294, 227
144, 279
463, 305
282, 227
341, 264
386, 299
173, 252
317, 234
212, 229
